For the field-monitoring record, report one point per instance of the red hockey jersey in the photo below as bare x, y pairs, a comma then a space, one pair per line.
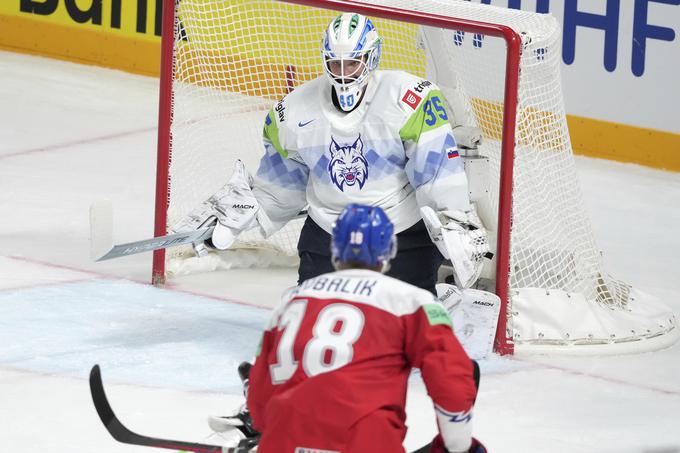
334, 363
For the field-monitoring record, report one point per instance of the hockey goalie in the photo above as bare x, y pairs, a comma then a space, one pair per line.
357, 134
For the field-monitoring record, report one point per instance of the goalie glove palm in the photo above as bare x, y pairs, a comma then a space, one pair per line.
462, 239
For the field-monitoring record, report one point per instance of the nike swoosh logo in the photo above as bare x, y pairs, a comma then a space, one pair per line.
301, 124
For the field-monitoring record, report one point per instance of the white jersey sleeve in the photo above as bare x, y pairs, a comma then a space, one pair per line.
434, 167
281, 178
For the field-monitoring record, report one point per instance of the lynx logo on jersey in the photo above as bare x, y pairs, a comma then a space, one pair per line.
348, 164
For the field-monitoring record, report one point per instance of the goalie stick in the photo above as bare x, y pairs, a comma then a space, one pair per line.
160, 242
197, 236
122, 434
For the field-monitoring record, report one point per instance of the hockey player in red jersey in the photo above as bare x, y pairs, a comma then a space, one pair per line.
332, 369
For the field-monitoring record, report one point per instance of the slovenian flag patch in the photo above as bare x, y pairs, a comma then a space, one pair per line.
452, 153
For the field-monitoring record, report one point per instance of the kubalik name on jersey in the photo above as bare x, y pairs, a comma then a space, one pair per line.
362, 287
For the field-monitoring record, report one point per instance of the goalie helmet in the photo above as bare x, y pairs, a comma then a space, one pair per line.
351, 52
363, 235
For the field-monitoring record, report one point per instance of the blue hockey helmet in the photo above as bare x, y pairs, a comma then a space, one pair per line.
363, 235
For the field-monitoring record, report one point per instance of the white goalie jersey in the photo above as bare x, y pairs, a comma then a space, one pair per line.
396, 150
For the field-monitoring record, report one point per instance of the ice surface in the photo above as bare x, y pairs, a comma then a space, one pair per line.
71, 135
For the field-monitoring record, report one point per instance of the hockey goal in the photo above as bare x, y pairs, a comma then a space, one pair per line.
225, 63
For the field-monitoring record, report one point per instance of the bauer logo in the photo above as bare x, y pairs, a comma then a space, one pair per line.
411, 99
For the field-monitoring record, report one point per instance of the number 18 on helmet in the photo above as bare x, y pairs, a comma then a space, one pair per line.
363, 236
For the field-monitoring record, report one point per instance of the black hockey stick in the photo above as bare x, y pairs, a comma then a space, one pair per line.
122, 434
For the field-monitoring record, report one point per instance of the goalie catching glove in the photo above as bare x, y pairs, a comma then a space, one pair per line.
234, 207
461, 238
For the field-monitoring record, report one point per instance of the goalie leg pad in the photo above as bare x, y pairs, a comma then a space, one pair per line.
474, 314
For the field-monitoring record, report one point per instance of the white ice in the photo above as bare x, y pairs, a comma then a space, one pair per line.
71, 135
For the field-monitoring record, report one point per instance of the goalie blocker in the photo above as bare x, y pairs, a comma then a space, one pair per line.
461, 238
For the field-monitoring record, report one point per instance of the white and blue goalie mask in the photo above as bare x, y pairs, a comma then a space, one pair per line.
351, 52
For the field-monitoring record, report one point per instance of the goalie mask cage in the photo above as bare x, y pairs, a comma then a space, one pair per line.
226, 62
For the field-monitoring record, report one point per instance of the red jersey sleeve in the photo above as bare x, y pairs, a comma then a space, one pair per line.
260, 386
447, 371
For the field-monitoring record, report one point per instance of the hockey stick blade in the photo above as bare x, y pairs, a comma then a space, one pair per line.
160, 242
122, 434
201, 234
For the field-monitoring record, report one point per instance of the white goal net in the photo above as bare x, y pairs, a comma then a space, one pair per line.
233, 59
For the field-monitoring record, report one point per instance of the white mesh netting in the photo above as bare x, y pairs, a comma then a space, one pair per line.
234, 59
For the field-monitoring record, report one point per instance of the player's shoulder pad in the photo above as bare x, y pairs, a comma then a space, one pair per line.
406, 298
434, 310
286, 111
287, 296
413, 91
